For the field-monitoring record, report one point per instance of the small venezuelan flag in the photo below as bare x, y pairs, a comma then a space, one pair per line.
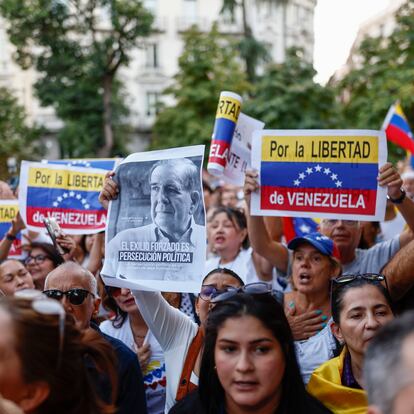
397, 128
298, 227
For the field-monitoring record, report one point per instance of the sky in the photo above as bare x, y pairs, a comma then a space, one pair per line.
336, 26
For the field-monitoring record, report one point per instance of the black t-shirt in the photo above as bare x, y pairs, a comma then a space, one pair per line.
191, 404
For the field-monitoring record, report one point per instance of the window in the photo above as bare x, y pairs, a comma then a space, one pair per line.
152, 103
151, 56
190, 11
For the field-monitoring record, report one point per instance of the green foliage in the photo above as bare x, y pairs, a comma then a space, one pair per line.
208, 66
77, 48
287, 97
252, 51
385, 74
16, 138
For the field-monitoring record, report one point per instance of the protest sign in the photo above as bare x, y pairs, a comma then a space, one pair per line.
227, 114
67, 193
155, 237
108, 164
8, 211
240, 151
319, 173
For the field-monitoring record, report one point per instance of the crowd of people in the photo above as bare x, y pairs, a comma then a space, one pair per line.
316, 324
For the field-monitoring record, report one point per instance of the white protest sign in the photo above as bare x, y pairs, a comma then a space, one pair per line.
240, 151
319, 173
156, 236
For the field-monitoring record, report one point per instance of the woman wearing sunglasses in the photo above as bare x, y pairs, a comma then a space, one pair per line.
45, 359
360, 306
249, 362
180, 338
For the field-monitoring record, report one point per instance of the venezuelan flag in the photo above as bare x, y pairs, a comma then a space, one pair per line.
397, 128
334, 174
67, 193
298, 227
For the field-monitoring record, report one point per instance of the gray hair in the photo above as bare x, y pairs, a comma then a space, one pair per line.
72, 267
385, 371
189, 173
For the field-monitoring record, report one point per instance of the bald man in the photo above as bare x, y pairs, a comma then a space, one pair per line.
76, 288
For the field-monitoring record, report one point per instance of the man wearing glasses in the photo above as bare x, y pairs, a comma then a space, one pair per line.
345, 233
76, 289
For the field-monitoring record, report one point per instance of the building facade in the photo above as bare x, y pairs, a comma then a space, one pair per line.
281, 24
382, 24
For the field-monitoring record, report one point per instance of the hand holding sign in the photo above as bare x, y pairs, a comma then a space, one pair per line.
109, 191
325, 173
250, 184
389, 176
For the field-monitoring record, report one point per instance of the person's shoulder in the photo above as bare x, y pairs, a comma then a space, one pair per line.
314, 406
189, 404
134, 233
329, 370
383, 245
122, 351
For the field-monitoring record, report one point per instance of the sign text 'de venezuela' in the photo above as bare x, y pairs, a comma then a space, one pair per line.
319, 173
67, 193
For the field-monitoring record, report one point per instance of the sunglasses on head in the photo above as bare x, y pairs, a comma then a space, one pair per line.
372, 277
75, 296
45, 306
258, 288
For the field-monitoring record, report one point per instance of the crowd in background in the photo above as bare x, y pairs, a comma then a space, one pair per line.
307, 325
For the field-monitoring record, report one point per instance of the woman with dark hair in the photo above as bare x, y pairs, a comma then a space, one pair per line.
249, 362
360, 306
45, 361
129, 326
228, 240
181, 338
42, 259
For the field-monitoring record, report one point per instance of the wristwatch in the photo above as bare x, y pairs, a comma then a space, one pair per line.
398, 200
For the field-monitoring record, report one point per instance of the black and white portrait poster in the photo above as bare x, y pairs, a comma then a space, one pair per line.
156, 233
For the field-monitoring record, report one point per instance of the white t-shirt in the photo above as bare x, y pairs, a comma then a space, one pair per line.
154, 374
173, 330
242, 265
315, 351
394, 227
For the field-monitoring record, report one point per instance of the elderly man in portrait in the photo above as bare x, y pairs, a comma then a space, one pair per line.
173, 240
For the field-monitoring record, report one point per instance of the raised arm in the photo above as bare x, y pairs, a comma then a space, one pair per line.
399, 272
168, 324
5, 245
96, 253
391, 178
276, 253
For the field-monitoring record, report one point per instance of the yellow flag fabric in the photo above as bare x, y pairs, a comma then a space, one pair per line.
325, 385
